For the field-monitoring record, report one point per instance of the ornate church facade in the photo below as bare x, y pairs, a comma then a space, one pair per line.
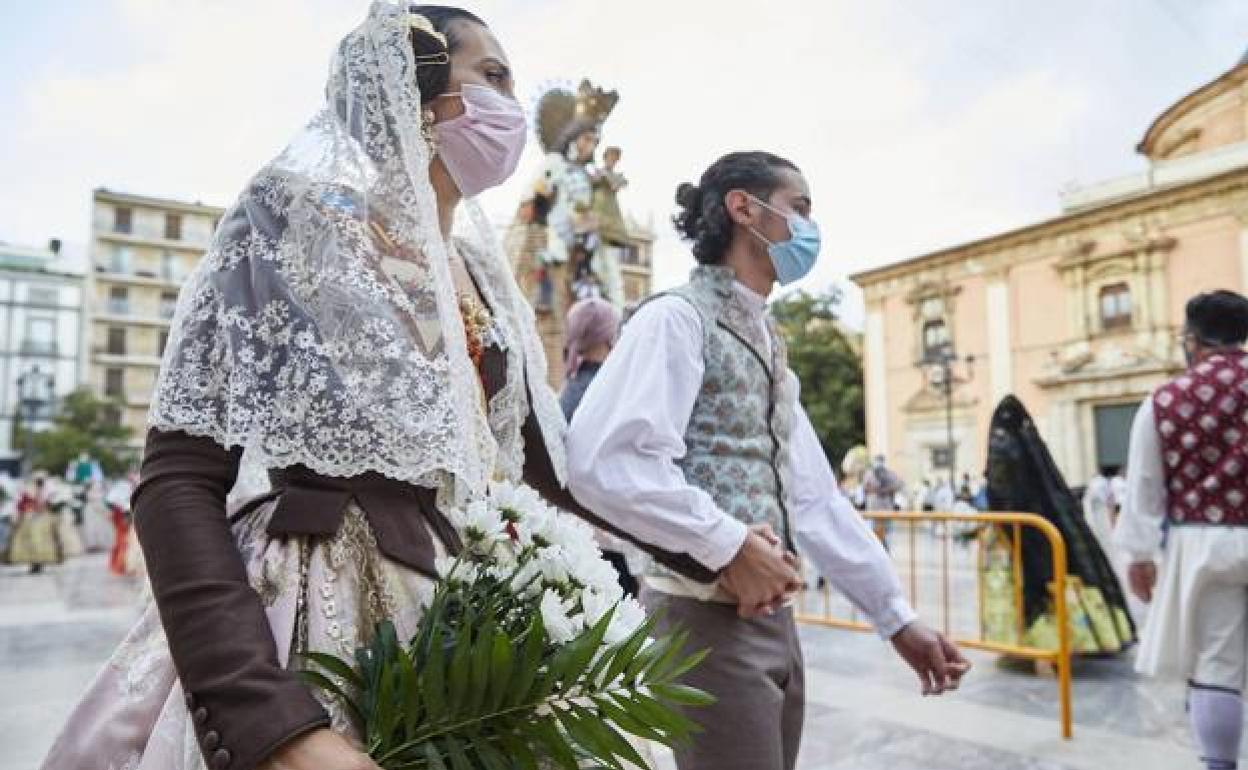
1078, 316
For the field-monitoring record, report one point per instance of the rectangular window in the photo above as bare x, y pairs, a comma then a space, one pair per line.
935, 340
119, 300
117, 340
942, 458
115, 382
170, 268
1115, 307
122, 219
1113, 433
168, 302
40, 336
163, 342
173, 227
122, 260
42, 295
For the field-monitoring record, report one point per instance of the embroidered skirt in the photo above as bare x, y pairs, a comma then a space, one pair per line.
321, 594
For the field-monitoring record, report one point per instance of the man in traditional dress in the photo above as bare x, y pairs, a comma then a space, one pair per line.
1189, 473
692, 435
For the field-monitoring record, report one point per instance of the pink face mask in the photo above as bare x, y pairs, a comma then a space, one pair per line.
482, 147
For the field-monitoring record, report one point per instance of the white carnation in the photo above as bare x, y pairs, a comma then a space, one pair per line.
628, 616
593, 571
521, 500
553, 563
452, 569
480, 525
561, 627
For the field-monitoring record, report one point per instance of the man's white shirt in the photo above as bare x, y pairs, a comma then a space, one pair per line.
628, 433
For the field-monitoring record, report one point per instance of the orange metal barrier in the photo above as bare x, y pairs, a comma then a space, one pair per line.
1060, 657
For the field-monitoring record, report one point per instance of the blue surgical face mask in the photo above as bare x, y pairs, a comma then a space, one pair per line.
793, 258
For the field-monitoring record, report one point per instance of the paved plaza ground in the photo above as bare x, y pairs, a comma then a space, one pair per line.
864, 711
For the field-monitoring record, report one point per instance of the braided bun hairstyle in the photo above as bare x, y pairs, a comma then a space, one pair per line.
703, 218
433, 78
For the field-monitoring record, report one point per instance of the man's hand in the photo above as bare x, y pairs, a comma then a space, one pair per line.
1142, 576
321, 749
934, 658
761, 575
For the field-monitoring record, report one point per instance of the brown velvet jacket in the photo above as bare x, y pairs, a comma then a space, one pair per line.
244, 704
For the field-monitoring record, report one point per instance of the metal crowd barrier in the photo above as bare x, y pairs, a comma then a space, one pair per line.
1060, 658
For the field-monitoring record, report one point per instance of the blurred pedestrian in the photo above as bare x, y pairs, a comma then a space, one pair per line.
880, 487
593, 324
1097, 501
118, 501
592, 327
36, 538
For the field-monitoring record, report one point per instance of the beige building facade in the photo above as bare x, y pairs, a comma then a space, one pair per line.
142, 249
1077, 316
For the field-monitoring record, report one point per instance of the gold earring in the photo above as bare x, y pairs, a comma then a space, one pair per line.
426, 130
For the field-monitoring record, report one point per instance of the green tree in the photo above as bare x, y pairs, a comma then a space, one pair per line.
829, 368
83, 423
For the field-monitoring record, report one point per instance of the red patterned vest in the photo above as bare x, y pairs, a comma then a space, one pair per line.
1202, 420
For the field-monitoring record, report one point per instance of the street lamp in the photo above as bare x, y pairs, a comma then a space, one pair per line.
35, 390
942, 376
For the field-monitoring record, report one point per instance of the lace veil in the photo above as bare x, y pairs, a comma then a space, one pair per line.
322, 327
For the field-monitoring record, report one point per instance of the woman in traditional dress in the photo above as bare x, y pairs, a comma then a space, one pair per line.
61, 505
97, 527
118, 502
1022, 476
336, 340
36, 536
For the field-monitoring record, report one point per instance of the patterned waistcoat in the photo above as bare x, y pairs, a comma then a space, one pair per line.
739, 431
1202, 419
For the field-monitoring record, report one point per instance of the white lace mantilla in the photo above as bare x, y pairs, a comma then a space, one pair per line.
322, 327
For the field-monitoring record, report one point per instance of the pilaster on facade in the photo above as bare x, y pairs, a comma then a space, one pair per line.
876, 385
998, 314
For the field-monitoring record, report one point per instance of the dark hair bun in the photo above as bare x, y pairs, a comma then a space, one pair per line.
687, 195
703, 218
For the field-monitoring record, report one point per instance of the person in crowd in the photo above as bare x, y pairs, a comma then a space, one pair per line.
35, 539
1097, 502
1189, 474
339, 343
692, 435
592, 327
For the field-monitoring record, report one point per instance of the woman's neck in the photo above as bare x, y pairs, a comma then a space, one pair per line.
446, 193
756, 273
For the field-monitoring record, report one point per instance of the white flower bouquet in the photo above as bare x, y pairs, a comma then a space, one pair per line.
528, 656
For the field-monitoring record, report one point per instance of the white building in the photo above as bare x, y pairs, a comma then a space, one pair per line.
42, 343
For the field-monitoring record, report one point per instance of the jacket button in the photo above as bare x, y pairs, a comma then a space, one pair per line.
211, 740
201, 715
221, 759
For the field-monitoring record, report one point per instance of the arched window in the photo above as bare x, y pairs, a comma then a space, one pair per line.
1115, 303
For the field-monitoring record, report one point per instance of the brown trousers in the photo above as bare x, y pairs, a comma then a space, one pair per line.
755, 670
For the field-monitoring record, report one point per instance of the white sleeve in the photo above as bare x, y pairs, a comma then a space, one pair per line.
1139, 528
838, 540
629, 431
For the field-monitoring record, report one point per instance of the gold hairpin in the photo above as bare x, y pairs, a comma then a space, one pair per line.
433, 58
422, 23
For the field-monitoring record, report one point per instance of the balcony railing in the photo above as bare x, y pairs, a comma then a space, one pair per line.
39, 347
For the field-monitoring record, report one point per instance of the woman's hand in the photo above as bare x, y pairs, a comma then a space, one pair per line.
321, 749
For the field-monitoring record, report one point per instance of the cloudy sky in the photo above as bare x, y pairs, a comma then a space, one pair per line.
918, 123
